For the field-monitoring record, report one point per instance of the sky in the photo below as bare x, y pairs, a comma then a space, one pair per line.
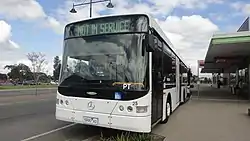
37, 25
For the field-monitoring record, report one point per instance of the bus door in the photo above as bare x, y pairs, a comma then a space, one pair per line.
180, 90
178, 87
180, 82
157, 87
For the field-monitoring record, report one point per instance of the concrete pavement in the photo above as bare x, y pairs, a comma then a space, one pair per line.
211, 92
208, 120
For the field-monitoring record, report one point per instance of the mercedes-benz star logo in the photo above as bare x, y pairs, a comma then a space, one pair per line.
91, 105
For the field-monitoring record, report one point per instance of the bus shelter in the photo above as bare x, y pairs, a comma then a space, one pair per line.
229, 55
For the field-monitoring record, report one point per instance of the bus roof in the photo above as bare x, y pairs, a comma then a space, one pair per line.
152, 23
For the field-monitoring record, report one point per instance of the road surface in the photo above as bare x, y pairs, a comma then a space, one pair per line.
26, 116
30, 91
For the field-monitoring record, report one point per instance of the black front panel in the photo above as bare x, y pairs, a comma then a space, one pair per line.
76, 86
102, 92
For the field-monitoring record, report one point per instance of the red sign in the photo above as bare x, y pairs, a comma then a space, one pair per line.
201, 63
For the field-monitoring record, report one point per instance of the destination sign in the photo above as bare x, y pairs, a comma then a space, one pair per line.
106, 26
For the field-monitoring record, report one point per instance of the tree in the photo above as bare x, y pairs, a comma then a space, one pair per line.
50, 77
43, 77
57, 67
38, 63
19, 72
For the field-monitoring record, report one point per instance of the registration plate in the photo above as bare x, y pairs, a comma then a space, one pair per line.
90, 120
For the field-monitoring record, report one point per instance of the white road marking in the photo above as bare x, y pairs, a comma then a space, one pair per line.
23, 102
49, 132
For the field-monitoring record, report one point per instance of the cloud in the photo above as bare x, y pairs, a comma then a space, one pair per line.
189, 36
218, 16
10, 52
54, 24
5, 34
25, 10
61, 16
246, 9
237, 5
242, 7
10, 58
21, 9
28, 10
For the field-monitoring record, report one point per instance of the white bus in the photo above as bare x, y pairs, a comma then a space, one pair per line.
119, 72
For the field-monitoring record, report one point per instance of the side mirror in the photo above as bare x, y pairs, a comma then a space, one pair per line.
149, 43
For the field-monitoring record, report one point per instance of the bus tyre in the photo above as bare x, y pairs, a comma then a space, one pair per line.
168, 111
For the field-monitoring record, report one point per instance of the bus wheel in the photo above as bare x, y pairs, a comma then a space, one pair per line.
168, 111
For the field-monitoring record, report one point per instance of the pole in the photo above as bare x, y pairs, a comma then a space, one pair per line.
90, 9
248, 82
36, 81
198, 81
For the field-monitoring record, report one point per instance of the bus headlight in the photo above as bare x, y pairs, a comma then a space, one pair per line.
141, 109
121, 108
130, 108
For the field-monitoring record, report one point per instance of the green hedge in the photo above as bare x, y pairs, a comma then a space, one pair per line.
133, 137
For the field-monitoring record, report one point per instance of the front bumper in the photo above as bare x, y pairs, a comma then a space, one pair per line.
127, 123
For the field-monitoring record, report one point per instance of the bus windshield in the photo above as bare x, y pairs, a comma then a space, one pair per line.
115, 57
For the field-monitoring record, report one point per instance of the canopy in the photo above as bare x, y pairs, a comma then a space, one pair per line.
227, 52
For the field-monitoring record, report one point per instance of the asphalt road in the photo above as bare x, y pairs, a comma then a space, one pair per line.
24, 117
32, 91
